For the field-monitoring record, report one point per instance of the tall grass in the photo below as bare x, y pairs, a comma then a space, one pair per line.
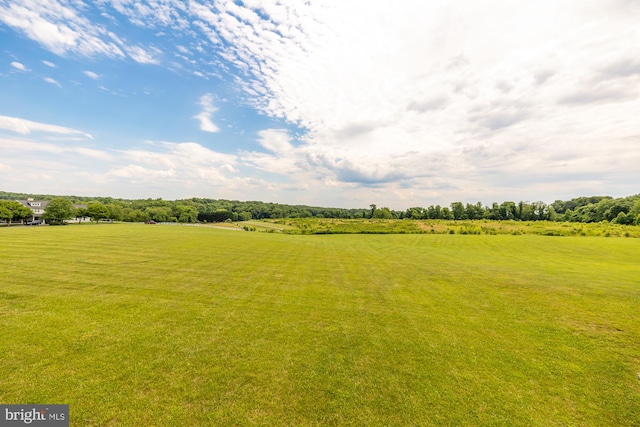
150, 325
406, 226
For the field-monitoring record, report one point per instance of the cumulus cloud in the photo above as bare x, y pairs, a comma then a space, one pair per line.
275, 140
366, 92
56, 165
206, 103
180, 156
165, 167
175, 166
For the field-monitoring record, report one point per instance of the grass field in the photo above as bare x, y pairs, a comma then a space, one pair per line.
138, 325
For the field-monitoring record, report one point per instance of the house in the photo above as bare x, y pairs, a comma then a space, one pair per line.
38, 206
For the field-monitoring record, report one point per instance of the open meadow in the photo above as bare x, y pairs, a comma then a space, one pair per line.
152, 325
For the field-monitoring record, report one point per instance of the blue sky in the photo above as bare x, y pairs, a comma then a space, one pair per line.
321, 102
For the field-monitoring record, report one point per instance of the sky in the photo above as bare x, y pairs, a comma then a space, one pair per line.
324, 103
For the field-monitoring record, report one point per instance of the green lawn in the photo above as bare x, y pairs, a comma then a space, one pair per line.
140, 325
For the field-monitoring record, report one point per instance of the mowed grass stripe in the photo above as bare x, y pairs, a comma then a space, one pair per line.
151, 325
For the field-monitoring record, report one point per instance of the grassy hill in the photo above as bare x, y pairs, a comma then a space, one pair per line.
156, 325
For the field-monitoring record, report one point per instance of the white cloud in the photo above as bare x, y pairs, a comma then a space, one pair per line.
176, 165
58, 27
162, 169
91, 75
138, 173
93, 153
142, 55
55, 167
52, 81
49, 64
18, 66
61, 27
275, 140
385, 92
26, 127
206, 103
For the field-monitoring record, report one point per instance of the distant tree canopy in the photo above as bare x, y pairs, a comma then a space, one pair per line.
582, 209
622, 210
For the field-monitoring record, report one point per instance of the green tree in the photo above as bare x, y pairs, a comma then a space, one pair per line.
525, 211
244, 216
605, 210
560, 206
59, 210
135, 215
635, 209
116, 211
540, 211
586, 213
508, 210
97, 211
187, 213
474, 211
616, 207
373, 210
18, 211
159, 213
221, 215
446, 213
81, 213
457, 209
383, 213
5, 214
277, 213
414, 213
623, 218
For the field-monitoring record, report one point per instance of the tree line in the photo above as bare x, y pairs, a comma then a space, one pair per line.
624, 210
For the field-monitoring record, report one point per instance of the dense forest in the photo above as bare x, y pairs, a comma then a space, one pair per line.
625, 210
